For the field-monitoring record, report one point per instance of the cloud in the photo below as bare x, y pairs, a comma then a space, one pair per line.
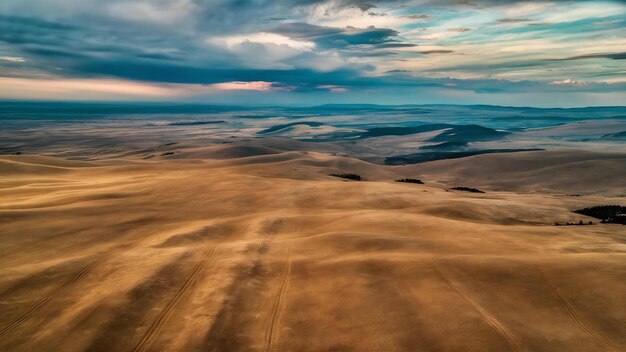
333, 88
466, 2
613, 56
161, 13
263, 38
439, 51
417, 16
460, 29
79, 88
303, 46
12, 59
330, 37
363, 6
256, 85
569, 82
513, 20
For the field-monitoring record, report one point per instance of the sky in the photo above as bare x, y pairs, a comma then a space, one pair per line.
310, 52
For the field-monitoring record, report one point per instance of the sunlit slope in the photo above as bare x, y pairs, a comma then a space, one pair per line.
270, 253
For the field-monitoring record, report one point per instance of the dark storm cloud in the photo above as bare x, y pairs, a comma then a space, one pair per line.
329, 37
49, 52
19, 23
75, 41
306, 79
50, 45
46, 38
178, 73
23, 30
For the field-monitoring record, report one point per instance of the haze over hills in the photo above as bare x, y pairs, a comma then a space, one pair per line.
406, 134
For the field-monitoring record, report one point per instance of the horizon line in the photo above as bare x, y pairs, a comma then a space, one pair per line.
175, 103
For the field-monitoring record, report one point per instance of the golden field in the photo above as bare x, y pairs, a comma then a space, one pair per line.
269, 253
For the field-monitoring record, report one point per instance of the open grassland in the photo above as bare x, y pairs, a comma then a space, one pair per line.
269, 253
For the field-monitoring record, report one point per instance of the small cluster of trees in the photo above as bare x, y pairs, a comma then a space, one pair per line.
410, 180
467, 189
610, 214
573, 223
353, 177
